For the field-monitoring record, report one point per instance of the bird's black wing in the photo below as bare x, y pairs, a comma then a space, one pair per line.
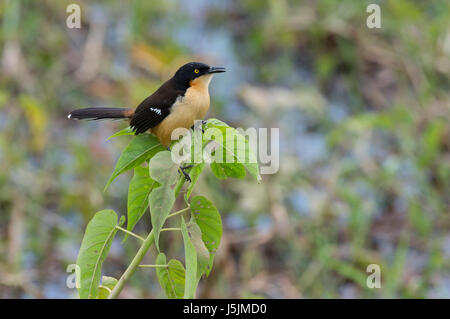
148, 117
154, 109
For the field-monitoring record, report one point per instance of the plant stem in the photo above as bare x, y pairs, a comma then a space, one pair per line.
141, 252
178, 212
167, 229
131, 233
132, 267
153, 266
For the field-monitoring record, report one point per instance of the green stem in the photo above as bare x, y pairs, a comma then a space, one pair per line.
178, 212
153, 266
167, 229
132, 267
131, 233
141, 252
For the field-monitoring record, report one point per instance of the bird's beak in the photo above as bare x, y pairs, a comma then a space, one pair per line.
214, 69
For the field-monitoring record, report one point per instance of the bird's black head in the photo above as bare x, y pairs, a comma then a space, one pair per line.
193, 70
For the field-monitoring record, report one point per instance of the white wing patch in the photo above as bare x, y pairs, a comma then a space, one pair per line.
157, 111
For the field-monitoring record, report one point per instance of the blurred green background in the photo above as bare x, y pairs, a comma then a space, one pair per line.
364, 141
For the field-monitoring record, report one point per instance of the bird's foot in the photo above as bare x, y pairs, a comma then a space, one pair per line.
183, 171
201, 126
203, 123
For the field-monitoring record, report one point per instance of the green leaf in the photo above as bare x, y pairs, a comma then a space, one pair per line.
103, 292
215, 122
165, 171
196, 156
237, 146
218, 170
161, 203
191, 279
195, 234
225, 170
141, 148
235, 170
208, 219
125, 131
94, 248
194, 174
197, 145
108, 284
141, 185
172, 278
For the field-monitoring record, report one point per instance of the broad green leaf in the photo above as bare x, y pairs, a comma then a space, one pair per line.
194, 174
125, 131
94, 248
109, 282
103, 292
215, 122
161, 202
208, 219
196, 160
197, 145
218, 170
171, 278
195, 235
236, 146
141, 148
225, 170
107, 285
165, 171
139, 190
191, 279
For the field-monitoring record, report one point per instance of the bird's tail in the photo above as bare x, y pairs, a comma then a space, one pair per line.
97, 113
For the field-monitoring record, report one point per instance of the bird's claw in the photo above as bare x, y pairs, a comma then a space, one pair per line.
203, 123
196, 126
186, 175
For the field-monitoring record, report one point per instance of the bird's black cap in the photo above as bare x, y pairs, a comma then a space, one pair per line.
192, 70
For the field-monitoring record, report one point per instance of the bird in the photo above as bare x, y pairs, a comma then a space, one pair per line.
177, 103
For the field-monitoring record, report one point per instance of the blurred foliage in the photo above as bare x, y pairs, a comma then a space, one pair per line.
364, 125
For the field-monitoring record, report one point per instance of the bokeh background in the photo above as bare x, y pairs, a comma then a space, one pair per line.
364, 141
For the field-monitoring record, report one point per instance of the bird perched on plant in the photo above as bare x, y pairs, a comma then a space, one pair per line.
179, 102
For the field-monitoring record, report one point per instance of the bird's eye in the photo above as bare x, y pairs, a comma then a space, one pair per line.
196, 71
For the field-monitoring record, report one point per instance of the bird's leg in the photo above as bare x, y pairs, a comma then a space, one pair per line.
195, 126
187, 166
183, 171
203, 123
